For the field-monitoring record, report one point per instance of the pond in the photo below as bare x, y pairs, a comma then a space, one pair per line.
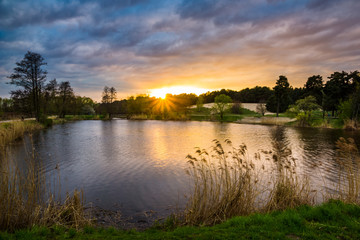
136, 166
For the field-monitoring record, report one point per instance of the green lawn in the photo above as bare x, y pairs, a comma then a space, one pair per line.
332, 220
205, 115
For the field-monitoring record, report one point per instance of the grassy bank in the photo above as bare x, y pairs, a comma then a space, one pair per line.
205, 114
16, 129
85, 117
332, 220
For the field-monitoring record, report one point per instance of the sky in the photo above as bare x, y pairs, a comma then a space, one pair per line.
140, 45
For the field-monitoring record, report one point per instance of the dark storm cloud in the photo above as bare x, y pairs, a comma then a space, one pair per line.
321, 4
23, 13
275, 1
227, 12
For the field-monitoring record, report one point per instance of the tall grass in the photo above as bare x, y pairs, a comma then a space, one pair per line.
348, 158
11, 131
227, 183
26, 200
288, 189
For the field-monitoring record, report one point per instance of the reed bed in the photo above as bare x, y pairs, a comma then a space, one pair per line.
348, 158
26, 200
11, 131
227, 183
287, 189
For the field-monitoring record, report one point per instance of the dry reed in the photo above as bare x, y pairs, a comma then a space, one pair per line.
348, 158
289, 189
351, 124
25, 200
11, 131
225, 185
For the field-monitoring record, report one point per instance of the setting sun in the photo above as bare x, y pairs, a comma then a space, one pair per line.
161, 92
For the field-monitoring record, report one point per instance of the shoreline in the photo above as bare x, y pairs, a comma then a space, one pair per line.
11, 130
333, 219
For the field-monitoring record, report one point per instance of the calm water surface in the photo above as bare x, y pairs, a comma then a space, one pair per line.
137, 166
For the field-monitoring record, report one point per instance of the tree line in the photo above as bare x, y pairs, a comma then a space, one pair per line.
339, 95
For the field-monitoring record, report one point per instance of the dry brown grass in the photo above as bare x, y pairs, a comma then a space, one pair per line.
348, 158
25, 200
227, 184
11, 131
351, 125
289, 189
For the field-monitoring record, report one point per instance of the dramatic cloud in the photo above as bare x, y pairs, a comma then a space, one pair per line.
137, 45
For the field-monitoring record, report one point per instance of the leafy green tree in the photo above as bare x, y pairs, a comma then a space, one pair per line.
66, 94
308, 104
6, 105
303, 109
87, 110
355, 98
50, 97
314, 87
222, 104
350, 109
30, 76
337, 89
247, 95
138, 105
281, 96
199, 103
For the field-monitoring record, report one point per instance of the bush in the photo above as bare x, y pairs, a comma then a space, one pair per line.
47, 122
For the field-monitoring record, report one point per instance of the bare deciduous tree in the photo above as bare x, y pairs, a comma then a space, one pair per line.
31, 77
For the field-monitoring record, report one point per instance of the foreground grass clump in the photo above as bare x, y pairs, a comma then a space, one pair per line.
11, 131
287, 188
348, 159
332, 220
25, 199
227, 183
